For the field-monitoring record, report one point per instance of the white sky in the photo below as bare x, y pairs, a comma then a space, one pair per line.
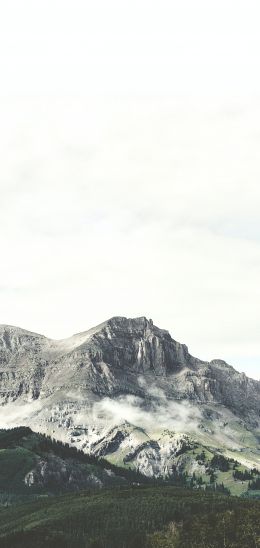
129, 172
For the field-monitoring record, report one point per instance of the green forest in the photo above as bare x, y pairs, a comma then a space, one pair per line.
129, 511
134, 517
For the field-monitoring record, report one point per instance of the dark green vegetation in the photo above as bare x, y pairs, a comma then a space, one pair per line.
33, 464
132, 518
220, 472
62, 504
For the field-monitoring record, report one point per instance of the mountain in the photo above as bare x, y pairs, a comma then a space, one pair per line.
127, 391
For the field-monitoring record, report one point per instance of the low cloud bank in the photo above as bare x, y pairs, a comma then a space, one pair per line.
18, 414
152, 412
156, 412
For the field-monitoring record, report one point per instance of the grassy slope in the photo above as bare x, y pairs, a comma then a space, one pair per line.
20, 449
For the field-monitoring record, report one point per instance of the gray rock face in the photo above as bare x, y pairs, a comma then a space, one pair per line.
110, 359
124, 371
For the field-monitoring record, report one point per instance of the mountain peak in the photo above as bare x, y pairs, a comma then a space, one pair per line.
123, 320
110, 358
111, 389
139, 324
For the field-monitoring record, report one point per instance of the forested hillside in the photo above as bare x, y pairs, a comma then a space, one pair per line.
54, 496
139, 517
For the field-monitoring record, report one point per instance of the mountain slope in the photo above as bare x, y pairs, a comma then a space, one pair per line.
127, 391
107, 361
32, 464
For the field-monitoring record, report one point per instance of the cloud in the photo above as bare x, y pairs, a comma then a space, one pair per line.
129, 49
132, 208
18, 413
156, 414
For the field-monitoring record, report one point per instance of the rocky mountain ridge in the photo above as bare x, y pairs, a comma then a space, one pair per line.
121, 385
107, 360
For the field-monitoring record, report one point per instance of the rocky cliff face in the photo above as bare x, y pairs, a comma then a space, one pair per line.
124, 371
110, 359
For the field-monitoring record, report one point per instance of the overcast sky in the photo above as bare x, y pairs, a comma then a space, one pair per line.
129, 172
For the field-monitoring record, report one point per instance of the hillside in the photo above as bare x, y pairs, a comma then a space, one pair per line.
32, 465
133, 518
128, 392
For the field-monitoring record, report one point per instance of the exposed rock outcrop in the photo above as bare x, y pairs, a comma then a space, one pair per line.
124, 370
